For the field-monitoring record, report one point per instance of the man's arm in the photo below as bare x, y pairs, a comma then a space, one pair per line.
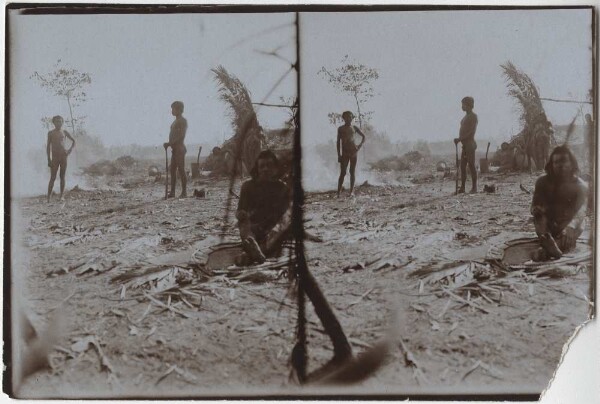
338, 144
539, 202
468, 128
178, 133
175, 135
48, 149
68, 135
357, 129
287, 196
573, 230
283, 201
577, 221
539, 211
242, 209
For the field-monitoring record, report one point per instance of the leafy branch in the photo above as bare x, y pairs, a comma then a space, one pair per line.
355, 79
68, 83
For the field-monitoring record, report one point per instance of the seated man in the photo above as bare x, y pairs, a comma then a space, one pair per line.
264, 213
559, 205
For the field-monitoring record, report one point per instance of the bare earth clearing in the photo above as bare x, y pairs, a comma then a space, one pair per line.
228, 336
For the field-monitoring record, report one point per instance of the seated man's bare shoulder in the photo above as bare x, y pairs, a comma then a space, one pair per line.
582, 186
246, 185
543, 182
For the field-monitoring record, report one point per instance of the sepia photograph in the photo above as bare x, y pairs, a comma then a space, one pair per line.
243, 202
130, 138
449, 161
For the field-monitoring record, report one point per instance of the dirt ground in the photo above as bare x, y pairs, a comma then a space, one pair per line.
233, 337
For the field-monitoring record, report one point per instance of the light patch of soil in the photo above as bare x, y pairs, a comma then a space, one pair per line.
241, 336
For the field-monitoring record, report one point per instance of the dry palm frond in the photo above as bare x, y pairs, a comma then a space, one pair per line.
243, 116
237, 96
522, 88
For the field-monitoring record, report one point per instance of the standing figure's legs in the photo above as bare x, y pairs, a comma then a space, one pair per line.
353, 160
463, 170
53, 171
63, 171
173, 172
472, 169
181, 169
343, 169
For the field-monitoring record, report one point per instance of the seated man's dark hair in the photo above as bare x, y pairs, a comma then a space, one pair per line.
564, 149
265, 154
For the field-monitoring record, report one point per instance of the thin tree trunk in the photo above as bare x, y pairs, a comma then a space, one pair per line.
360, 122
71, 113
359, 114
72, 126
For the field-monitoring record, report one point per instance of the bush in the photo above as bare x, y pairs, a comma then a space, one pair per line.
125, 161
103, 167
422, 147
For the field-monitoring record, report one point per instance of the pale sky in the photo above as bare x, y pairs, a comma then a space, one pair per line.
428, 61
139, 64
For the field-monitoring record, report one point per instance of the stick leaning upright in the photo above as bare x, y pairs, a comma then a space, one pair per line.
166, 174
457, 169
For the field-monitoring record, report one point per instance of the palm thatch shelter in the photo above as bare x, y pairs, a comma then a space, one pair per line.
535, 124
248, 139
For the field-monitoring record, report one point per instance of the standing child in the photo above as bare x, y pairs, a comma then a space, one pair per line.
178, 150
468, 126
347, 150
56, 144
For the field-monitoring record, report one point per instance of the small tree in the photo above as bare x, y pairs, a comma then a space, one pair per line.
335, 118
46, 122
67, 83
355, 79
